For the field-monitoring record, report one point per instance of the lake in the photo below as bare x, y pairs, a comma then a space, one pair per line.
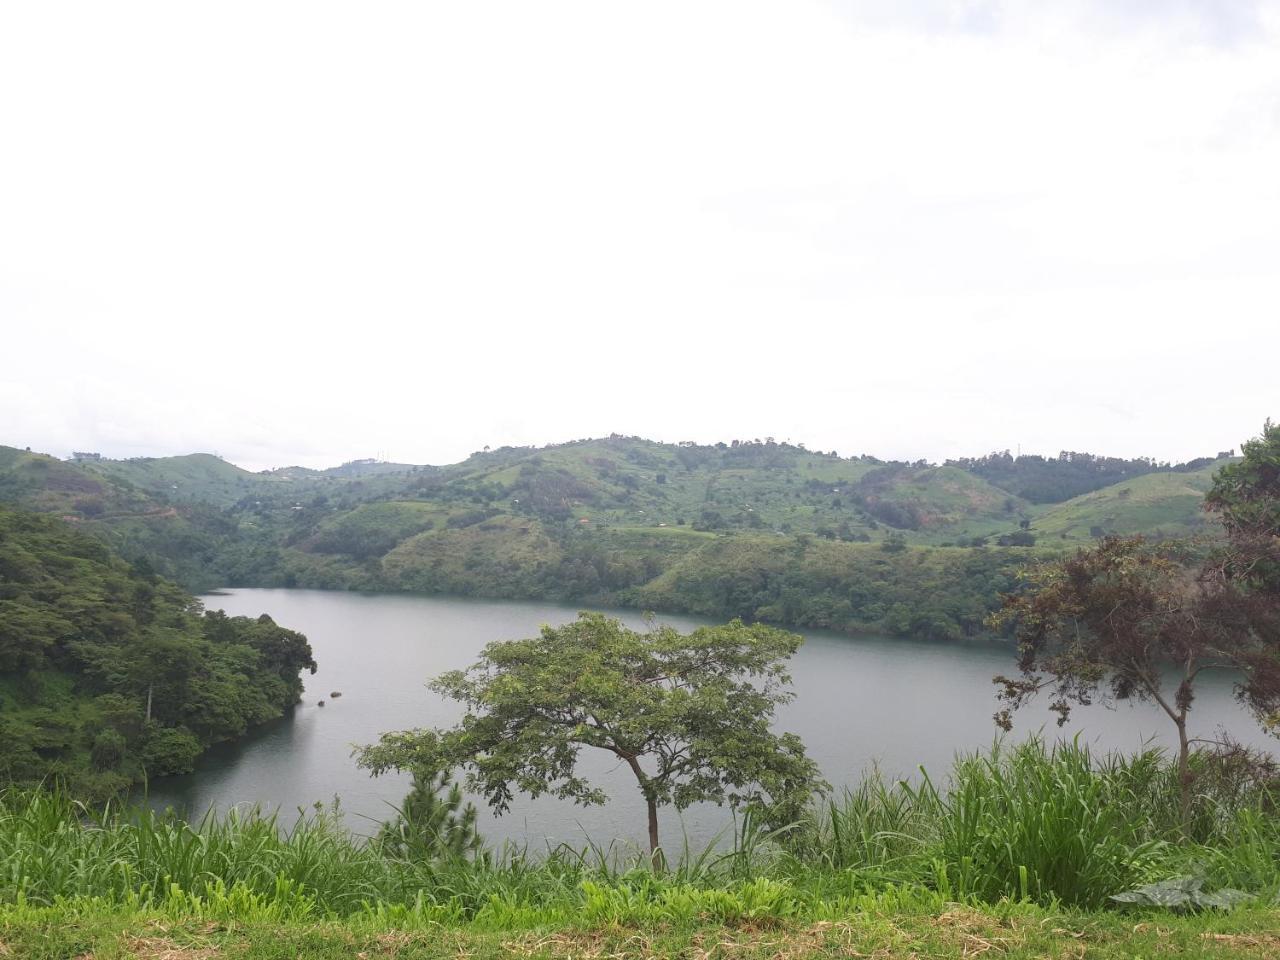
860, 701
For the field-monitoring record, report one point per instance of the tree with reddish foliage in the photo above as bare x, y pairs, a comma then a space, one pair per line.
1135, 619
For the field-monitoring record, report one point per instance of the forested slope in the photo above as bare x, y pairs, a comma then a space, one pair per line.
109, 672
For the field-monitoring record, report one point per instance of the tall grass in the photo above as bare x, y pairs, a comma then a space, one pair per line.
1035, 822
1027, 823
1048, 823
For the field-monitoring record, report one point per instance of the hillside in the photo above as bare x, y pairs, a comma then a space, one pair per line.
1157, 504
196, 477
767, 486
1070, 474
937, 593
108, 672
178, 540
793, 535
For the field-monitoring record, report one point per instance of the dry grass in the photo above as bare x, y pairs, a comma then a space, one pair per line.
951, 931
162, 948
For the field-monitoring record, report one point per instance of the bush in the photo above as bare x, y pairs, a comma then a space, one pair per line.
108, 749
170, 750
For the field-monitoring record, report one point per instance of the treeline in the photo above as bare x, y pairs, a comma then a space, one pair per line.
937, 594
108, 672
1069, 474
802, 580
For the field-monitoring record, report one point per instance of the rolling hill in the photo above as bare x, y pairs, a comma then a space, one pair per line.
762, 529
194, 478
1157, 504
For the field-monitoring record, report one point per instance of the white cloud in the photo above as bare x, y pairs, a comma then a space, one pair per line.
307, 232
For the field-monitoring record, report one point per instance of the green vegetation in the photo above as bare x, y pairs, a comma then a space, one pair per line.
1021, 847
109, 673
1056, 479
1156, 505
690, 715
939, 593
434, 823
178, 543
890, 926
756, 529
1246, 495
196, 477
1113, 615
1028, 850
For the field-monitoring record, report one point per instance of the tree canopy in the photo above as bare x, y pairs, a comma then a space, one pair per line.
108, 671
689, 715
1123, 613
1246, 496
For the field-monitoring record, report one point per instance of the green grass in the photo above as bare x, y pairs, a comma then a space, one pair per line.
1157, 504
891, 926
1017, 852
1049, 825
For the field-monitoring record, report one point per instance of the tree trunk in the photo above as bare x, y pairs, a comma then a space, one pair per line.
655, 852
1184, 775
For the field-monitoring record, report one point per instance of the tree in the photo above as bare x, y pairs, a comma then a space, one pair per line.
1116, 616
688, 714
430, 826
1019, 538
1245, 574
894, 543
1123, 611
1246, 496
170, 750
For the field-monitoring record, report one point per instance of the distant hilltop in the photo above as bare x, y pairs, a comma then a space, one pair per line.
759, 529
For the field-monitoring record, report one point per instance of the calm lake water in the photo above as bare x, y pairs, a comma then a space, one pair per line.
860, 701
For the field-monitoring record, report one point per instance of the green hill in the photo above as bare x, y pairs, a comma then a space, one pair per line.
1156, 504
754, 486
50, 485
180, 540
196, 477
793, 535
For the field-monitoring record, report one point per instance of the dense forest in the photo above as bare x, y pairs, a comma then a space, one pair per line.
109, 673
759, 528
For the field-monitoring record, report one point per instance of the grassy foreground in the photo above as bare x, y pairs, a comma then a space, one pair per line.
890, 925
1018, 853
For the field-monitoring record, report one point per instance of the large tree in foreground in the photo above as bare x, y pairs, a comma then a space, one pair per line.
1136, 619
688, 714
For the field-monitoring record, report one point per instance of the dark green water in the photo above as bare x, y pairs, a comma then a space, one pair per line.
859, 701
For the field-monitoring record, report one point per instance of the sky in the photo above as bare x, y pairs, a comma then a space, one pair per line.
307, 232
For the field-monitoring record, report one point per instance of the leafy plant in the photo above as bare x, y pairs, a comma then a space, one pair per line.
1183, 893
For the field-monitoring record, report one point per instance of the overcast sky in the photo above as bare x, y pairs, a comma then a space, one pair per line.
308, 232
